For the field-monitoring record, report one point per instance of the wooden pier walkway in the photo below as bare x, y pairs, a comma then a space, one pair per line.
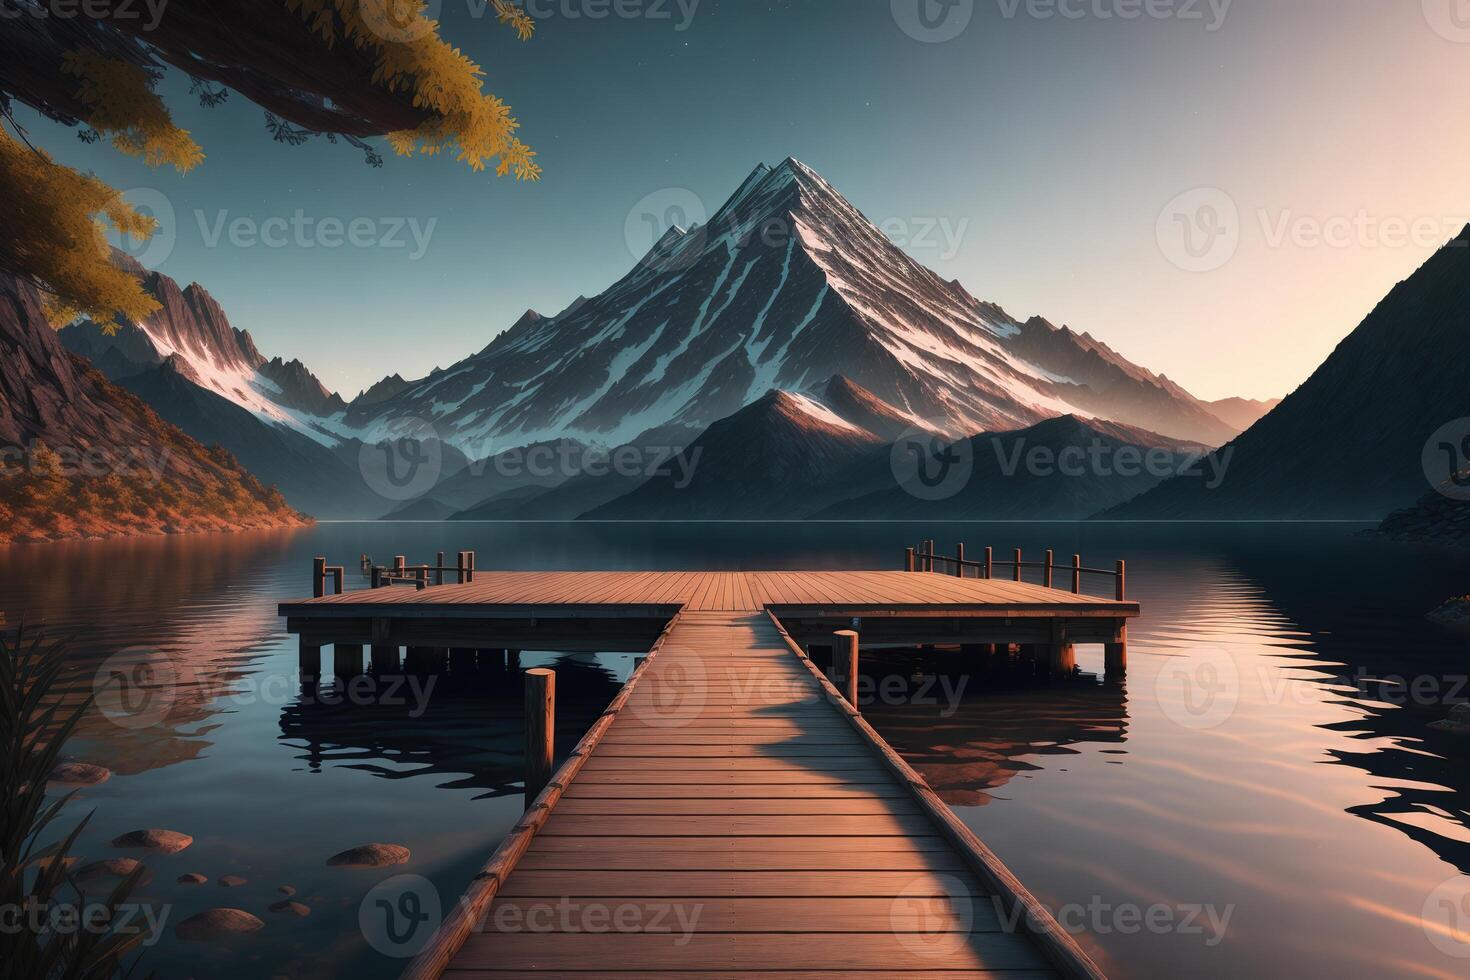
731, 814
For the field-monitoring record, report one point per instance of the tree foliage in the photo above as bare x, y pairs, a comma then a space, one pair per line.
349, 69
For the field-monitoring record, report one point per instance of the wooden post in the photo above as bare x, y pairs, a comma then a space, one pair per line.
318, 576
461, 660
1077, 574
460, 566
846, 656
1046, 570
470, 560
377, 580
990, 563
908, 560
929, 547
338, 585
386, 659
1018, 564
540, 730
346, 660
513, 659
1122, 580
1061, 655
959, 565
309, 660
400, 565
439, 569
1115, 655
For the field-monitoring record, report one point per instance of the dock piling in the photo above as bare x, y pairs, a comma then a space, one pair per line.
1076, 574
346, 660
1017, 565
845, 656
318, 576
989, 562
959, 565
1046, 569
540, 730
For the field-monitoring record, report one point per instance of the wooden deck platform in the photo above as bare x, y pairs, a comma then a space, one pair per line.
733, 816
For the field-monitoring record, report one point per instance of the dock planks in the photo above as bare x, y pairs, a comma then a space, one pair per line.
731, 801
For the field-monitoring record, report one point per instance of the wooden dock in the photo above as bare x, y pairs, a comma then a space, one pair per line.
731, 813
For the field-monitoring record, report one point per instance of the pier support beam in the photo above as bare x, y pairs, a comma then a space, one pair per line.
309, 661
386, 659
1115, 656
1060, 654
346, 659
462, 660
540, 730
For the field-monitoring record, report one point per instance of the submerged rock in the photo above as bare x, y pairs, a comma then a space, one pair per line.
1454, 615
370, 856
286, 890
231, 881
217, 924
80, 774
112, 868
289, 907
192, 878
163, 841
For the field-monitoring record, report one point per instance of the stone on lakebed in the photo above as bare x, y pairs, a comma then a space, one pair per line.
231, 881
192, 878
162, 841
112, 868
370, 856
218, 924
289, 907
80, 774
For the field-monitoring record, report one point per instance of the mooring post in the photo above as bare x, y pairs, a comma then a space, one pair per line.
439, 568
990, 563
959, 564
1046, 573
845, 655
908, 560
469, 557
540, 730
400, 565
1122, 574
338, 584
460, 566
318, 576
1018, 564
1077, 574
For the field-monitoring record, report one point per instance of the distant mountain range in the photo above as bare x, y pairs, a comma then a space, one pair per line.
1349, 443
80, 457
783, 358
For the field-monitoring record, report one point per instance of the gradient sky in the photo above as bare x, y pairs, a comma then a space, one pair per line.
1049, 145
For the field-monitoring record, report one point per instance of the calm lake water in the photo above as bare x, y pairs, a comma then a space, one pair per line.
1262, 797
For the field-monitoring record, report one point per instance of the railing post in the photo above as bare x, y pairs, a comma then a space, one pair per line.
469, 557
990, 563
400, 565
338, 585
540, 730
439, 569
1122, 574
422, 574
929, 550
959, 564
845, 653
318, 576
908, 560
1046, 570
377, 576
459, 562
1077, 574
1018, 564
